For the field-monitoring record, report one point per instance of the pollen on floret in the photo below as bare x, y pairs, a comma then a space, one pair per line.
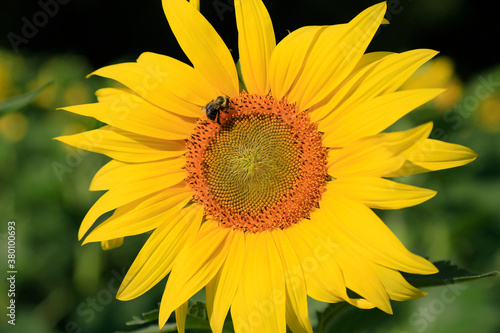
262, 168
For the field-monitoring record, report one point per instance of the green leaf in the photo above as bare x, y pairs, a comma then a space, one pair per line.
169, 327
17, 102
331, 313
345, 318
196, 319
147, 317
447, 274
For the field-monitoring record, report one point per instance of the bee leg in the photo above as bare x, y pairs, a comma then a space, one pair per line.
218, 118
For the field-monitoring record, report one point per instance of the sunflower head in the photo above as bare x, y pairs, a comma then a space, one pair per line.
263, 197
263, 168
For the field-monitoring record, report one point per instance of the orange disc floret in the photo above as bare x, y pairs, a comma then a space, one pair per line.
262, 168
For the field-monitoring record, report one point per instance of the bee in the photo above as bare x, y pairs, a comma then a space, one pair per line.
213, 108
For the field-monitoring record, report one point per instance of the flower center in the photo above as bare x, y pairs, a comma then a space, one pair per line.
262, 168
251, 163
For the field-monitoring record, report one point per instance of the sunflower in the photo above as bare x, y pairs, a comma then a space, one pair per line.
268, 201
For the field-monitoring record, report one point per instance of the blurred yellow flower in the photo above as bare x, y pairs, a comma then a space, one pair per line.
438, 73
73, 127
13, 126
77, 92
12, 66
488, 114
69, 86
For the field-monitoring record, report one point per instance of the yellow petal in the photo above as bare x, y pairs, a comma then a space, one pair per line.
112, 243
431, 155
288, 58
125, 146
196, 4
151, 87
297, 317
259, 304
142, 215
397, 287
221, 290
182, 80
378, 192
150, 178
370, 58
256, 42
358, 226
195, 266
372, 116
357, 273
334, 55
336, 98
385, 77
112, 174
389, 74
202, 45
133, 114
324, 278
156, 258
376, 155
180, 317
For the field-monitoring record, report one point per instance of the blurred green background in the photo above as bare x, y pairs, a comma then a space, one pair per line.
63, 287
